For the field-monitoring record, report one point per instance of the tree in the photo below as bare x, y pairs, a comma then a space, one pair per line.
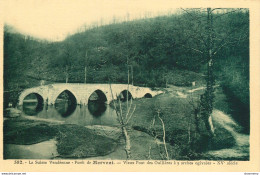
124, 117
66, 59
86, 65
208, 42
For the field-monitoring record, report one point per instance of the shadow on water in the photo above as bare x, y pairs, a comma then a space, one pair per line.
65, 108
32, 108
96, 108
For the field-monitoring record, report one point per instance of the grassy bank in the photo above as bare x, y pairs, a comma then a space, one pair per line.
73, 141
78, 142
184, 132
27, 132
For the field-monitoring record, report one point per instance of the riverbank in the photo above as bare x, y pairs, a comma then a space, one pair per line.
73, 141
24, 138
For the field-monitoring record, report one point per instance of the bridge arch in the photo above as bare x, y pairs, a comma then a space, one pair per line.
98, 95
148, 95
71, 96
65, 103
24, 95
33, 107
123, 95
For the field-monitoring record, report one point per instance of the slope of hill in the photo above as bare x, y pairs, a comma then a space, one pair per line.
157, 50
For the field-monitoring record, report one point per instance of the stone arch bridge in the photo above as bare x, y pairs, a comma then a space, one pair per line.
49, 93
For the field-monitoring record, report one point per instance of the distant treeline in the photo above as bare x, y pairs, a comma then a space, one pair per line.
159, 50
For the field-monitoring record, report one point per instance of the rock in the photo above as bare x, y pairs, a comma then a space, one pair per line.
12, 113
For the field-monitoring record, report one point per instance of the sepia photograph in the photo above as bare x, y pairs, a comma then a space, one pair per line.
105, 81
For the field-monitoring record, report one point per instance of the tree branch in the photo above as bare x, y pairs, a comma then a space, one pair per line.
227, 41
131, 115
227, 13
192, 49
165, 147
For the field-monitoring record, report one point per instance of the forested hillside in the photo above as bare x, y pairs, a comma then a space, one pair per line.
158, 50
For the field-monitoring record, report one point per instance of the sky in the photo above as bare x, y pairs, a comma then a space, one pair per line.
55, 19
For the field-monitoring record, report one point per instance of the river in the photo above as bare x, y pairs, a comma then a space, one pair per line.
95, 113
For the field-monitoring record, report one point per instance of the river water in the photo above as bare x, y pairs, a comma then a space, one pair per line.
95, 113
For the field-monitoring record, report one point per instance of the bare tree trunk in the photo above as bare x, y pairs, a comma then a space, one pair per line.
85, 81
189, 129
164, 143
166, 82
211, 124
127, 138
123, 120
127, 84
132, 72
67, 74
127, 143
210, 79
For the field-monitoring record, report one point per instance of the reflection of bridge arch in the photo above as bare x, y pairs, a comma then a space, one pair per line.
96, 109
34, 107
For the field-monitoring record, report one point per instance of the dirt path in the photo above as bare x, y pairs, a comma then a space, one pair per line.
241, 149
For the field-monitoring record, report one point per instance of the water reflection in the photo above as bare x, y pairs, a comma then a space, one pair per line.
92, 114
66, 103
32, 108
65, 108
96, 108
33, 104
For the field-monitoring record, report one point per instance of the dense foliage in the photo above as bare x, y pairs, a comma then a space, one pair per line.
157, 49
